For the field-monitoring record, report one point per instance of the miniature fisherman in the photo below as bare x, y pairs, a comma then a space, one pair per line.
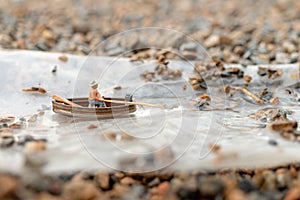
95, 98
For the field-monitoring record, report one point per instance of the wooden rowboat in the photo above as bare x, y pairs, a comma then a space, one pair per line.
111, 110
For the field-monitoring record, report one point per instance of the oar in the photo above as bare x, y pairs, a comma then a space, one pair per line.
64, 100
133, 103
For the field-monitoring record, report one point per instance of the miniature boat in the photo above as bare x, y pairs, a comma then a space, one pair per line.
79, 108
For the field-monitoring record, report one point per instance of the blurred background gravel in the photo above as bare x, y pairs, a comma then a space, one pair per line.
237, 31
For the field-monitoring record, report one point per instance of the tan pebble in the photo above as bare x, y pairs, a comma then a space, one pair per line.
117, 87
126, 136
196, 87
204, 96
163, 188
227, 89
91, 126
48, 35
33, 118
8, 186
283, 125
5, 119
80, 190
35, 146
35, 89
63, 58
281, 171
214, 147
177, 73
21, 44
15, 126
247, 78
119, 175
111, 135
293, 172
293, 194
183, 87
128, 181
102, 180
119, 190
274, 101
189, 55
46, 196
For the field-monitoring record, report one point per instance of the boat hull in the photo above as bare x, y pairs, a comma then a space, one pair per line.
112, 110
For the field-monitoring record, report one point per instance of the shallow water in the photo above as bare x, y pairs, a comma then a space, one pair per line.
177, 137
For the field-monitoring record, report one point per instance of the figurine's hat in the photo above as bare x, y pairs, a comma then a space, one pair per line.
93, 83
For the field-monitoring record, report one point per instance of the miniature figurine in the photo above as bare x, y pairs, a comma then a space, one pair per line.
95, 98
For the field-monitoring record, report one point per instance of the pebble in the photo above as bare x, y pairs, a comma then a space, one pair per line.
79, 190
63, 58
16, 125
35, 146
247, 185
283, 125
102, 181
189, 55
8, 187
6, 140
273, 142
6, 119
247, 78
281, 58
163, 188
92, 126
117, 87
189, 46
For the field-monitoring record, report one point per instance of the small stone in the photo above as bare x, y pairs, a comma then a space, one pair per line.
214, 147
35, 146
247, 185
48, 35
63, 58
274, 101
293, 172
239, 50
283, 125
216, 40
54, 70
189, 55
117, 87
8, 187
289, 47
102, 180
33, 118
247, 78
204, 96
6, 119
79, 189
154, 182
293, 194
163, 188
189, 46
35, 89
227, 89
91, 126
183, 87
16, 125
6, 140
128, 181
281, 58
273, 142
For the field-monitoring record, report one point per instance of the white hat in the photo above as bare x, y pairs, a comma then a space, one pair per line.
93, 83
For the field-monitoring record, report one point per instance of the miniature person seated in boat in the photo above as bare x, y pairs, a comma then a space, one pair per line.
95, 98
